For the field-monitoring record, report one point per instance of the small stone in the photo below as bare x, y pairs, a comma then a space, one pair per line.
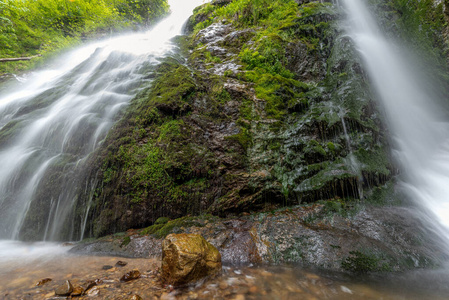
43, 281
253, 289
121, 263
77, 291
89, 285
135, 297
223, 285
107, 267
131, 275
93, 291
64, 290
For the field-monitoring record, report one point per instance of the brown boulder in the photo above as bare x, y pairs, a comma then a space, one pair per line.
187, 258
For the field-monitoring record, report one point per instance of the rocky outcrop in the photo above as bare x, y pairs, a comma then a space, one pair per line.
260, 117
188, 258
391, 238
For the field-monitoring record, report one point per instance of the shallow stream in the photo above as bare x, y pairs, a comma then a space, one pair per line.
23, 265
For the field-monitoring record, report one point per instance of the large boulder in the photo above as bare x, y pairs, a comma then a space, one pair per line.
187, 258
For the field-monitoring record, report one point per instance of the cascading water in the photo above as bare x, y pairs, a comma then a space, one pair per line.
420, 135
51, 123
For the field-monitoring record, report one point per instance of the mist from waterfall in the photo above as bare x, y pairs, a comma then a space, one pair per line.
55, 118
416, 122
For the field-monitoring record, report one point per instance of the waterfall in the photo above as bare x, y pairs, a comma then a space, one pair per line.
55, 118
419, 132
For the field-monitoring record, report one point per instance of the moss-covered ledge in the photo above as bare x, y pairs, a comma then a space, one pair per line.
368, 240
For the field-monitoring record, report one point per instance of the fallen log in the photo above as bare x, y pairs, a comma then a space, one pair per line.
18, 58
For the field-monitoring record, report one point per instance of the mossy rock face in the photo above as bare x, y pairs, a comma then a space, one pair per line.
165, 157
272, 109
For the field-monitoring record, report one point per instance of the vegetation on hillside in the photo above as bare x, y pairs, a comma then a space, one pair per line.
40, 27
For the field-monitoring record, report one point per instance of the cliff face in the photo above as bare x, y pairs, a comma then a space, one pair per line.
266, 117
266, 105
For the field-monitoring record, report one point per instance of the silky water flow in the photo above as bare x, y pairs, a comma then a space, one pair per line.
55, 118
419, 132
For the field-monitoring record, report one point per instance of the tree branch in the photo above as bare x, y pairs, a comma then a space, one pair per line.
18, 58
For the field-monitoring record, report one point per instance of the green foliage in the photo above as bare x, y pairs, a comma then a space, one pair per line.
420, 18
421, 24
31, 27
257, 12
146, 11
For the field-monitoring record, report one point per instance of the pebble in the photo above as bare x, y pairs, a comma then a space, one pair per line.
93, 291
135, 297
131, 275
77, 291
107, 267
43, 281
65, 289
121, 263
89, 285
223, 285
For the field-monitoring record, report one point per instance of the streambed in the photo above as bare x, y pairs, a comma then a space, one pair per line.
22, 265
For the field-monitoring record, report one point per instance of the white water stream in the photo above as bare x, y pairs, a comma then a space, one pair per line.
419, 134
55, 118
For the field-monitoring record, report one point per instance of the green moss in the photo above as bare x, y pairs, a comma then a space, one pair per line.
363, 262
243, 138
173, 87
152, 229
125, 241
385, 194
175, 226
162, 220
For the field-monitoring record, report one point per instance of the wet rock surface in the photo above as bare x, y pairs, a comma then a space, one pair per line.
65, 289
187, 258
253, 118
139, 246
393, 237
